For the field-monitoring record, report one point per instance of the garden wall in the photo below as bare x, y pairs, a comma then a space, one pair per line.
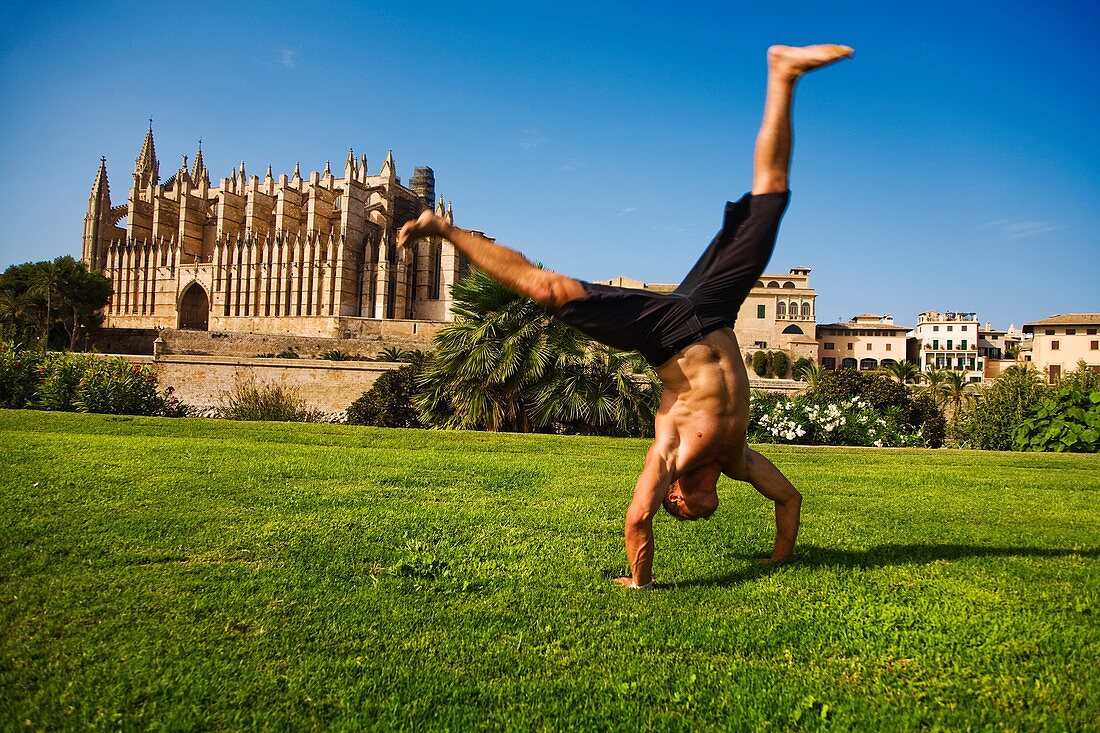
328, 386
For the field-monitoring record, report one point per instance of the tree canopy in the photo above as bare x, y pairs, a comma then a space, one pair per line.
38, 300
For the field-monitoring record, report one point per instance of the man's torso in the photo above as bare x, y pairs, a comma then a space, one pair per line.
704, 409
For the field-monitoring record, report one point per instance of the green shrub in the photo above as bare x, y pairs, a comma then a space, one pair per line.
67, 382
990, 420
251, 401
1083, 378
838, 385
20, 373
115, 387
915, 412
780, 363
926, 414
760, 364
1066, 421
337, 355
60, 376
810, 420
388, 403
800, 366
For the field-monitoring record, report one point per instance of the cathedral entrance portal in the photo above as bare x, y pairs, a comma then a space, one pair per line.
194, 309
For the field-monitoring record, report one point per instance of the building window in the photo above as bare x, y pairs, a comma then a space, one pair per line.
1071, 331
848, 363
1049, 332
805, 310
781, 310
949, 328
950, 344
1054, 345
963, 345
935, 328
828, 362
1091, 331
1094, 345
868, 347
830, 346
888, 346
851, 347
935, 343
761, 311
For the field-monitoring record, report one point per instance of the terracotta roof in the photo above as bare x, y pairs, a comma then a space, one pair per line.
1066, 319
876, 326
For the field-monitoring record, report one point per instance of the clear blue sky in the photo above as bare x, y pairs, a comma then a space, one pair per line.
952, 164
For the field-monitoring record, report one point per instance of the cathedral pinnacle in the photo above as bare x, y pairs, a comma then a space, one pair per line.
146, 166
199, 174
101, 190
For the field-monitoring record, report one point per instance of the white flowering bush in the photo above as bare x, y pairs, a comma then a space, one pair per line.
810, 420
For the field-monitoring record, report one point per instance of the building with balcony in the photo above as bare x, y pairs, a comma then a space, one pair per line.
947, 340
778, 314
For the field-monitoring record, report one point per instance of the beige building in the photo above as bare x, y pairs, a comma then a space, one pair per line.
778, 315
948, 341
293, 255
1058, 343
867, 342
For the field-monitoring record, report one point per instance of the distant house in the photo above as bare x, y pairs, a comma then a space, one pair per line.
948, 340
1058, 343
867, 342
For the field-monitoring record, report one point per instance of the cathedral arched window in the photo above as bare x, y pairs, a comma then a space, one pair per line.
805, 310
781, 310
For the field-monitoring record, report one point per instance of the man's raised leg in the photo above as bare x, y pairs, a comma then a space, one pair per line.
786, 64
503, 264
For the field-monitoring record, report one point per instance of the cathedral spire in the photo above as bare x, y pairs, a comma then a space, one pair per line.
101, 189
351, 170
146, 167
389, 168
199, 174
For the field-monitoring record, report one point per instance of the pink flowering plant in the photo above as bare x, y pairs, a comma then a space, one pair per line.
68, 382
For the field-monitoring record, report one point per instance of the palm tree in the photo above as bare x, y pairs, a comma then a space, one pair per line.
956, 392
44, 281
483, 366
810, 374
604, 392
504, 364
905, 372
933, 383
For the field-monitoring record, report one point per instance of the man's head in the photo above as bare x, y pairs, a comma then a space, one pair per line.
694, 495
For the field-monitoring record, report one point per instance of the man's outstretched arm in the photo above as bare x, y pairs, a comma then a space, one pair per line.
649, 491
503, 264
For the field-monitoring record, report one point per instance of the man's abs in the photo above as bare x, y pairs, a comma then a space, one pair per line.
704, 410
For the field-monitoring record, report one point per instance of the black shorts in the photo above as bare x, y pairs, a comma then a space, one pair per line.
660, 325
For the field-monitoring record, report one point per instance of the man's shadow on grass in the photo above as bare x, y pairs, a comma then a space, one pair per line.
811, 556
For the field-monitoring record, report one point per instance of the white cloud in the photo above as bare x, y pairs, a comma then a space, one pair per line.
530, 138
627, 210
1020, 229
287, 58
572, 164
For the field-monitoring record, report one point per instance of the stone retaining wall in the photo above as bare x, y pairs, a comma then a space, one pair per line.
204, 381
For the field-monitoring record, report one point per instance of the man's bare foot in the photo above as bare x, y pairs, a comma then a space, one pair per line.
773, 561
426, 224
794, 61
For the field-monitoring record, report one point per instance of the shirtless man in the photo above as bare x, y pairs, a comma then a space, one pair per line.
687, 335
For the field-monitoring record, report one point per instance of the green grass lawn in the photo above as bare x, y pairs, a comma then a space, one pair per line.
194, 574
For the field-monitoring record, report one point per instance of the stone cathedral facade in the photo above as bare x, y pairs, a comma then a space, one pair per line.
287, 255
